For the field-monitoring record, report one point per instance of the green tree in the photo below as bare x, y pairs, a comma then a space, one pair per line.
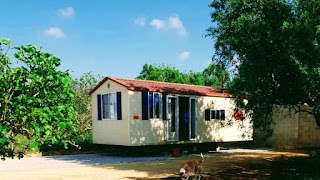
35, 102
214, 73
211, 76
196, 78
82, 101
275, 45
161, 73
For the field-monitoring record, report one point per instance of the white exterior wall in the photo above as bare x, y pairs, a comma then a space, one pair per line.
115, 132
144, 132
137, 132
227, 130
151, 132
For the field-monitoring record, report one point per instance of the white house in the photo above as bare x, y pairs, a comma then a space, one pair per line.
132, 112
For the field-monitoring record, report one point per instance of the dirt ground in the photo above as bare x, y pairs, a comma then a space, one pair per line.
239, 165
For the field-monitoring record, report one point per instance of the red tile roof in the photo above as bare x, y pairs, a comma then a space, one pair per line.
165, 87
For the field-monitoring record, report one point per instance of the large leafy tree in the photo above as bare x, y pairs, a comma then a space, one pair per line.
210, 76
214, 72
35, 101
275, 46
162, 73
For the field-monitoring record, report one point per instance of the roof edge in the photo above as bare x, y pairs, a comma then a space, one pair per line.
98, 85
103, 81
223, 93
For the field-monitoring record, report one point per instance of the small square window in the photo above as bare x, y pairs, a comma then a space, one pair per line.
213, 114
223, 115
218, 114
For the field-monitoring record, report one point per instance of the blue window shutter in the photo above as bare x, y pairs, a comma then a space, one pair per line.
145, 106
119, 112
164, 106
207, 114
99, 107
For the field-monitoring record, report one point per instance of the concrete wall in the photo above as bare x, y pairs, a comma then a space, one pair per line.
291, 130
286, 128
309, 135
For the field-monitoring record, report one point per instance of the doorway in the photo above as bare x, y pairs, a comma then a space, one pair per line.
181, 118
172, 118
184, 118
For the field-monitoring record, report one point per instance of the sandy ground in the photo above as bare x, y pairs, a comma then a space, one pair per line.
79, 173
80, 166
237, 164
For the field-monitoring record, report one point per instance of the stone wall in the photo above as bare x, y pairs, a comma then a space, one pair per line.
286, 129
309, 134
291, 130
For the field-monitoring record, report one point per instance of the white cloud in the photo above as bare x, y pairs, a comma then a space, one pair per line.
184, 55
173, 22
66, 12
176, 23
55, 32
141, 21
157, 23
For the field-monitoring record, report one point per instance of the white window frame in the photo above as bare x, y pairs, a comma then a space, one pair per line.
153, 106
111, 106
220, 113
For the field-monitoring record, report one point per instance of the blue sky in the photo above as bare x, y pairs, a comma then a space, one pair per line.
113, 38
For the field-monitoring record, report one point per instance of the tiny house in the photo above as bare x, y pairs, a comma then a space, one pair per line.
132, 112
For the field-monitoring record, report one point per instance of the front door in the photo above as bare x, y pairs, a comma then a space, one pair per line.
172, 118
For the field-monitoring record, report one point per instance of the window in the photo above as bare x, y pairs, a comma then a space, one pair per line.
109, 106
157, 105
151, 105
211, 114
222, 114
218, 115
105, 106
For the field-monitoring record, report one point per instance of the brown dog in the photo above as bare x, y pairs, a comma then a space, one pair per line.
189, 166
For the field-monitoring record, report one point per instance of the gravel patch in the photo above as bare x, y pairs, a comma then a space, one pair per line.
69, 161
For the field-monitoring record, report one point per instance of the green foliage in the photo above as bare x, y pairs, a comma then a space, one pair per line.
161, 73
213, 73
275, 46
82, 101
35, 101
211, 76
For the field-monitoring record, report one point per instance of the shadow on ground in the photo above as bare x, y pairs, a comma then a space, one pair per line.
274, 165
217, 165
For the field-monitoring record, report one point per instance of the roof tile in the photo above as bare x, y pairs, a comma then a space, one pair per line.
165, 87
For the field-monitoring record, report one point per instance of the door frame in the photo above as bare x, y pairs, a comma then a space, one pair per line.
176, 97
169, 120
190, 118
